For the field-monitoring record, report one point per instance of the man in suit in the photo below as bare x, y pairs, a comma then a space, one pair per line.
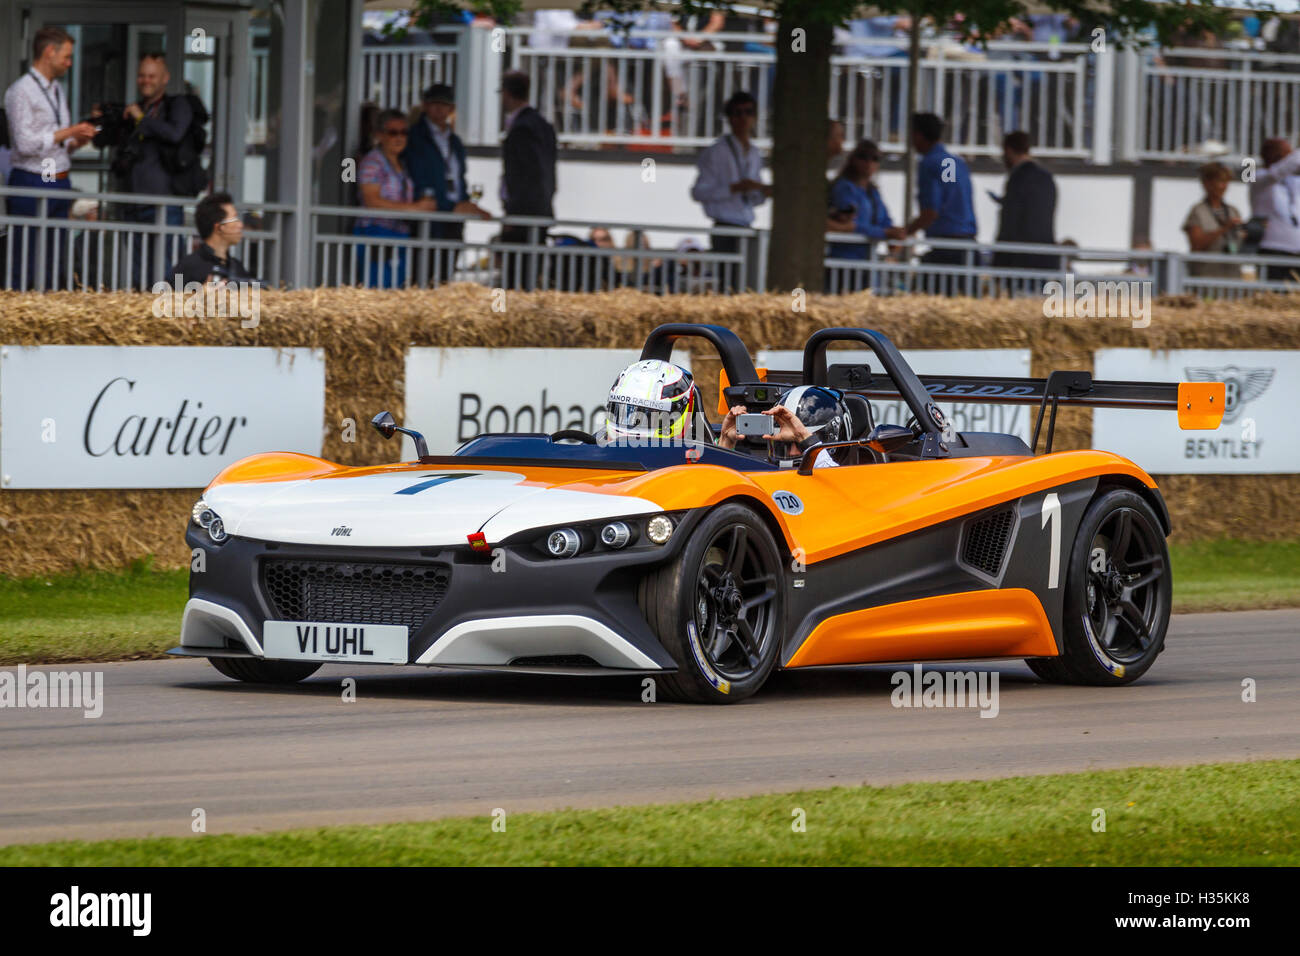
528, 171
435, 158
1028, 207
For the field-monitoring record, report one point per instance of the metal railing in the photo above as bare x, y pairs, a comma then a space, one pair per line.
396, 76
119, 241
1174, 104
671, 96
131, 244
527, 253
1193, 102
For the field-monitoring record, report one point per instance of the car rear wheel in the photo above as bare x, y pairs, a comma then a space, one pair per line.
256, 671
719, 608
1117, 595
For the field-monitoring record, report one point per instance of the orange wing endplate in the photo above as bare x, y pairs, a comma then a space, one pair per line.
1200, 404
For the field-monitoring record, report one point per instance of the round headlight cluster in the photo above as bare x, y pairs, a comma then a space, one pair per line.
209, 521
659, 529
616, 534
563, 543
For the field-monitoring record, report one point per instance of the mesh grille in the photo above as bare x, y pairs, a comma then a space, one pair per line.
986, 541
347, 592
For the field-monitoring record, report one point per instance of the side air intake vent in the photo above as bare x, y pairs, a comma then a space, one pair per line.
986, 541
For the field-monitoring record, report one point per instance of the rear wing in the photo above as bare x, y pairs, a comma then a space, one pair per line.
1199, 405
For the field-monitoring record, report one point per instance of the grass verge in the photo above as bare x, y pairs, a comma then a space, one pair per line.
1243, 814
126, 615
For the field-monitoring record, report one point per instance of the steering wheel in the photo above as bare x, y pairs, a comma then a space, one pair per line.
573, 434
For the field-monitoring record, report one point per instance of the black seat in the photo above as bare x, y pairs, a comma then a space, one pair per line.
860, 415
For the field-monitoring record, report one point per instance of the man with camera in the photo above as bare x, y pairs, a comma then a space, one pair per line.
153, 148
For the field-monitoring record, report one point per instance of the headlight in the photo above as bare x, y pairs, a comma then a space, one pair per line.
563, 543
202, 514
209, 520
659, 529
616, 534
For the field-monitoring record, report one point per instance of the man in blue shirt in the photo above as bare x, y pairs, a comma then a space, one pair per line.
943, 192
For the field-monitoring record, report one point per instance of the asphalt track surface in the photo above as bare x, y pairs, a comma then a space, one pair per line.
417, 744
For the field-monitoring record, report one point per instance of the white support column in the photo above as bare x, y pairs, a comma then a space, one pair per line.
295, 187
1103, 100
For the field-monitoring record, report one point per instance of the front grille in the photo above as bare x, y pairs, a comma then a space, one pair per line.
986, 541
354, 592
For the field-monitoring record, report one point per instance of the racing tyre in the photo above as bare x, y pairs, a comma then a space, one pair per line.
719, 608
1117, 595
256, 671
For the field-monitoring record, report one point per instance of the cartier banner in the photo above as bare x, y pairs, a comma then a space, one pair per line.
75, 416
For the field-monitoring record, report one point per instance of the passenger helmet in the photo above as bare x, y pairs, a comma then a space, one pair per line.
651, 400
822, 412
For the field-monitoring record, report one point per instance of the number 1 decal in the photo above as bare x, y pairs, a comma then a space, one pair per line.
1052, 513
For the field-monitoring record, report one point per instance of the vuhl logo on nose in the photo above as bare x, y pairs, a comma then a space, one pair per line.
342, 531
338, 640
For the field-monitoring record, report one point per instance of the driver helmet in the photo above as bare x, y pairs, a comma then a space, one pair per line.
823, 413
651, 401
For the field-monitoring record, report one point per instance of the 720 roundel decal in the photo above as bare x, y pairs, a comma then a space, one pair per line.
788, 502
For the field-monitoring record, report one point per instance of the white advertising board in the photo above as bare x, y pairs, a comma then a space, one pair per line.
1260, 433
89, 416
455, 394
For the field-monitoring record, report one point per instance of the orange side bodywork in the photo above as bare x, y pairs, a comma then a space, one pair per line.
997, 623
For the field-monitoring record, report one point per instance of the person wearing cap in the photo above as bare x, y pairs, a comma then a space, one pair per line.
435, 159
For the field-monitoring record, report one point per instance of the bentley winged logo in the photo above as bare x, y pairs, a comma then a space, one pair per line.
1243, 385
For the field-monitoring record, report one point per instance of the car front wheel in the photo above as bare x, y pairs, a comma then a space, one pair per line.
719, 608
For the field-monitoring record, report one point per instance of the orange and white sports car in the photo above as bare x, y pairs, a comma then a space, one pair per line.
705, 567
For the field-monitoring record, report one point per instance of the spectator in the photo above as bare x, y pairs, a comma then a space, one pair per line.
221, 229
729, 182
41, 135
435, 157
856, 204
385, 184
1028, 206
528, 169
834, 141
1214, 226
146, 138
1275, 197
944, 196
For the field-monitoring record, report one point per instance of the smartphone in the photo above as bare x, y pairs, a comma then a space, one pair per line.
755, 426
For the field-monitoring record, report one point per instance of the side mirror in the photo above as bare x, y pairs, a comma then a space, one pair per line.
887, 438
386, 425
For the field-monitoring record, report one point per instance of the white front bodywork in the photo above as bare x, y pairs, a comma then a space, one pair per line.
408, 508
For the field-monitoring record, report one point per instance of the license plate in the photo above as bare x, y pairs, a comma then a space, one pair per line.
354, 643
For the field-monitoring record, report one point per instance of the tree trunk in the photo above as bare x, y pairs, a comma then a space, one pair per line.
800, 92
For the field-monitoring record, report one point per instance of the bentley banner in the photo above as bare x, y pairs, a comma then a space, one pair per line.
1015, 420
89, 416
1260, 425
453, 395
